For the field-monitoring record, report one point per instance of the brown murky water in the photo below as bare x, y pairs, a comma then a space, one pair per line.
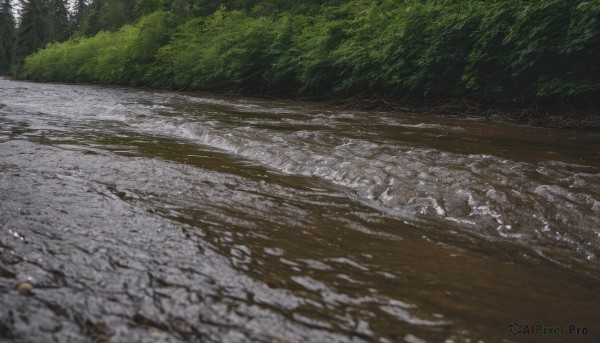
150, 216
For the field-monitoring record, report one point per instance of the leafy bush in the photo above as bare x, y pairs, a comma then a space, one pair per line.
120, 57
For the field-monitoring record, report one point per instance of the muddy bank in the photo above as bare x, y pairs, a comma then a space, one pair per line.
554, 115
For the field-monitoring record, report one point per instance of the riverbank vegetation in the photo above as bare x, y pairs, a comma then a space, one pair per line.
502, 53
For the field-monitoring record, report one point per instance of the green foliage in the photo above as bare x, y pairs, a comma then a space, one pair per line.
226, 49
32, 33
107, 15
537, 49
109, 57
58, 21
79, 12
145, 7
308, 60
516, 51
7, 36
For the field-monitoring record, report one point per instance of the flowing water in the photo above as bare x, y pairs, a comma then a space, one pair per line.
149, 216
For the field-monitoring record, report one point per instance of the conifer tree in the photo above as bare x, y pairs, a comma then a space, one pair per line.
80, 10
32, 32
58, 21
7, 35
107, 15
117, 13
91, 21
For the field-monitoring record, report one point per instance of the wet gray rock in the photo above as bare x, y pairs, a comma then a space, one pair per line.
79, 263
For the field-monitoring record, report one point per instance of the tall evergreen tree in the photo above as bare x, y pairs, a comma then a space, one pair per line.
58, 21
7, 35
107, 15
32, 33
91, 22
79, 12
117, 13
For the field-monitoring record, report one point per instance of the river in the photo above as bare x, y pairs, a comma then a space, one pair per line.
131, 215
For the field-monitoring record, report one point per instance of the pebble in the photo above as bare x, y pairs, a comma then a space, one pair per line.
24, 287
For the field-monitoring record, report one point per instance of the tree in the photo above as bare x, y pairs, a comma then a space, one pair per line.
117, 13
91, 23
32, 33
107, 15
7, 35
58, 21
145, 7
80, 10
